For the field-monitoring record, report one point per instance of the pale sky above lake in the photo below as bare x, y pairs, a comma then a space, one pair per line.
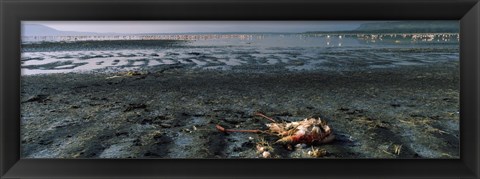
198, 26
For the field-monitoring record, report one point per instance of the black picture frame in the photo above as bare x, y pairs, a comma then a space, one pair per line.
12, 12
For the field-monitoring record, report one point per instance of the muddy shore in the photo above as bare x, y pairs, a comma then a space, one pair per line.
170, 112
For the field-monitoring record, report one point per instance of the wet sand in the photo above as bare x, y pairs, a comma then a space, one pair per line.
170, 111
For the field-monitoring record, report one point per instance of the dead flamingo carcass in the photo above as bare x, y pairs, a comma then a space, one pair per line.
307, 131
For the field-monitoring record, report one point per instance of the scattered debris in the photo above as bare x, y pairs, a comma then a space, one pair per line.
372, 123
316, 152
425, 122
397, 149
264, 148
129, 73
133, 73
266, 154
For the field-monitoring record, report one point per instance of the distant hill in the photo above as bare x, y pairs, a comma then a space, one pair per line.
36, 30
405, 27
411, 26
41, 30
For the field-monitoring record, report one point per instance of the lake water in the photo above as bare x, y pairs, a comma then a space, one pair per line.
293, 52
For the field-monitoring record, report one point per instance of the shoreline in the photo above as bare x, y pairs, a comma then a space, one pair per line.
152, 113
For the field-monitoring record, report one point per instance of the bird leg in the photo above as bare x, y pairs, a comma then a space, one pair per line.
222, 129
266, 117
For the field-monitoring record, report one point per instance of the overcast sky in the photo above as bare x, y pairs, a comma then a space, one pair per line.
197, 26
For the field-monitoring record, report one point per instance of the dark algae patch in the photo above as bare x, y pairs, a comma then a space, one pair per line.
98, 45
169, 112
